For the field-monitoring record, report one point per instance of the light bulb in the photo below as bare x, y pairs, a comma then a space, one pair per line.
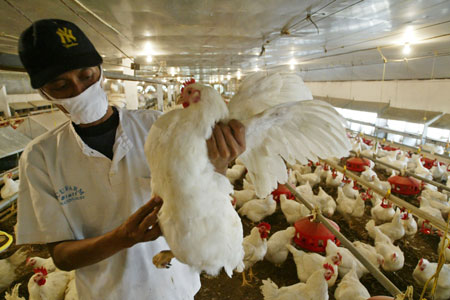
149, 59
407, 49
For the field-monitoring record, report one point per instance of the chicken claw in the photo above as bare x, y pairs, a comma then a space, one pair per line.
162, 259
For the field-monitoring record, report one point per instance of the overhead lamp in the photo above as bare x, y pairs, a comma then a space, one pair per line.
256, 69
292, 64
406, 49
238, 75
221, 77
172, 71
178, 79
228, 77
119, 81
149, 58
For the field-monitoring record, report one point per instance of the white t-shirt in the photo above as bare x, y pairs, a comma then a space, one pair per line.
69, 191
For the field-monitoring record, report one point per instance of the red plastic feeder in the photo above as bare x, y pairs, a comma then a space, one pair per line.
357, 164
404, 185
282, 190
390, 148
313, 235
367, 142
427, 162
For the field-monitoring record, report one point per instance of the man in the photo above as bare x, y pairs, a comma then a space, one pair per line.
85, 184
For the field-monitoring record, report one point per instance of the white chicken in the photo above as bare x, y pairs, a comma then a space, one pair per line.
420, 170
350, 190
197, 217
302, 169
235, 172
393, 256
325, 202
370, 253
351, 288
293, 210
409, 223
8, 267
243, 196
44, 286
394, 230
446, 250
255, 248
305, 190
312, 178
292, 177
308, 263
10, 186
349, 206
439, 172
382, 185
38, 262
426, 207
334, 179
247, 185
277, 251
348, 260
424, 270
315, 288
382, 211
14, 293
258, 209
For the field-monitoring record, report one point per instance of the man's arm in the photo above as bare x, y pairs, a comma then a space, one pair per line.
140, 227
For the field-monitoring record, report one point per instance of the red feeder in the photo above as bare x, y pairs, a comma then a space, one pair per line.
313, 235
282, 190
427, 162
389, 148
357, 164
367, 142
404, 185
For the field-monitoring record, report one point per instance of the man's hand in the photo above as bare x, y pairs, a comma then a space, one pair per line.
142, 226
225, 144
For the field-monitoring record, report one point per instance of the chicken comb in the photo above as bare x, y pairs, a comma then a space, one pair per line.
328, 267
264, 224
42, 270
186, 83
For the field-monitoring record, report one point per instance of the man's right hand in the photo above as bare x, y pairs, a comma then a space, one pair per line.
142, 226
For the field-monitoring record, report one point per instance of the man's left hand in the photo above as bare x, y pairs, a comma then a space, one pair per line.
225, 144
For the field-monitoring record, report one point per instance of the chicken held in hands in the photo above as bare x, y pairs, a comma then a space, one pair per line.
281, 122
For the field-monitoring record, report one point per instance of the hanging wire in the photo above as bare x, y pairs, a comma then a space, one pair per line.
96, 30
18, 10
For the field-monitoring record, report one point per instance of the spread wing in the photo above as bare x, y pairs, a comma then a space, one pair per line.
289, 130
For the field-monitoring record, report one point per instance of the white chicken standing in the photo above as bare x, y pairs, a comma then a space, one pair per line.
394, 230
351, 288
393, 256
10, 187
255, 248
370, 253
424, 270
243, 196
446, 250
315, 288
382, 211
277, 251
8, 267
258, 209
197, 218
308, 263
325, 202
409, 223
348, 260
293, 210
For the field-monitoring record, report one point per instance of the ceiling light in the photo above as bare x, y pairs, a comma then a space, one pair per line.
172, 71
228, 77
292, 64
178, 79
119, 81
238, 75
407, 49
256, 69
149, 58
221, 77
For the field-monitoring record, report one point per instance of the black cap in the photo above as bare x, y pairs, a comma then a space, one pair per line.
51, 47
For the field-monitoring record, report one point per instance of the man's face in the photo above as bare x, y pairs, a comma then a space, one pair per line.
72, 83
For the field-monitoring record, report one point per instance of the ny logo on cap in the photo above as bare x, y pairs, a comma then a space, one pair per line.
67, 38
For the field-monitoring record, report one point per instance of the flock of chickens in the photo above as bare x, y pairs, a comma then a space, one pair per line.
387, 224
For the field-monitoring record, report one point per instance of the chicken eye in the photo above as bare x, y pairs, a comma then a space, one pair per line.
189, 92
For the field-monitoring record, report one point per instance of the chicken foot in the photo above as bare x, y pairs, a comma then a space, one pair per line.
162, 259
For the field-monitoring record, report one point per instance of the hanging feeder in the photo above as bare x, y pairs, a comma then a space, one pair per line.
427, 162
389, 148
404, 185
357, 164
367, 142
282, 190
313, 235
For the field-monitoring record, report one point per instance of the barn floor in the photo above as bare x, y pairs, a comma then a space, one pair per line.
224, 288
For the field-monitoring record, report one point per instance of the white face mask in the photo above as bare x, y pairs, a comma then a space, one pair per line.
89, 106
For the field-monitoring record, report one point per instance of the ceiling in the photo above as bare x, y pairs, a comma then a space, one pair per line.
329, 40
